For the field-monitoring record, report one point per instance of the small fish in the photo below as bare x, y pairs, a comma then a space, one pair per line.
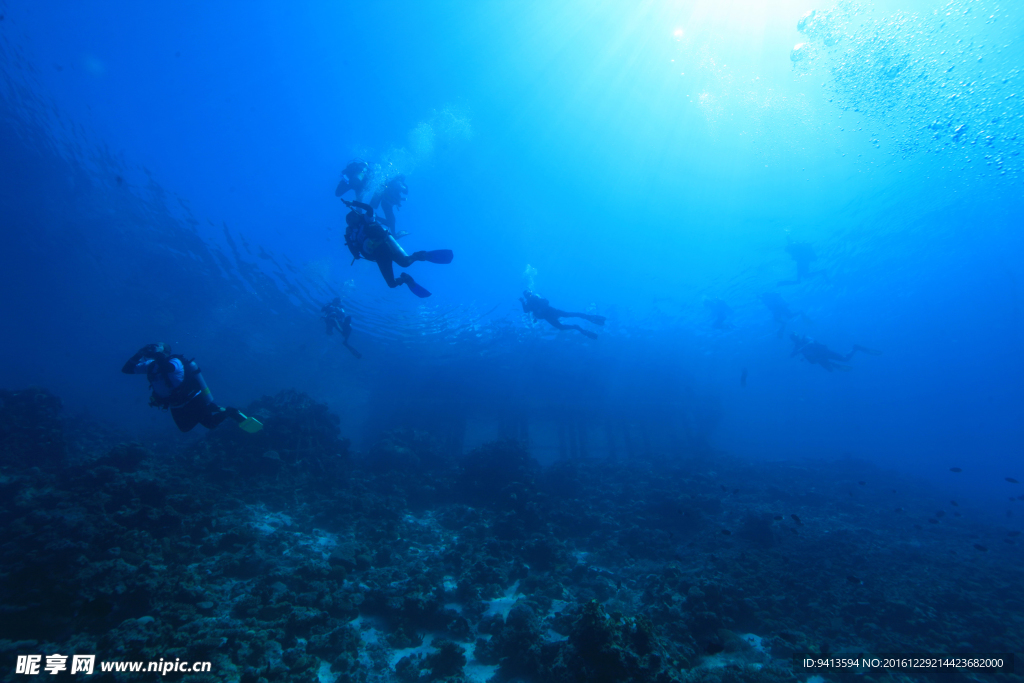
1012, 480
940, 513
957, 514
954, 503
794, 531
862, 483
797, 520
1013, 533
854, 580
778, 518
743, 378
918, 526
978, 546
900, 510
724, 487
726, 532
932, 520
955, 469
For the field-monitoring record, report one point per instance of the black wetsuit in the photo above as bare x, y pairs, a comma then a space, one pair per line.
356, 177
817, 353
368, 239
389, 199
178, 384
335, 319
542, 310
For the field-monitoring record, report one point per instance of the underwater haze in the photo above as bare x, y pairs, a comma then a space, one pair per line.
767, 399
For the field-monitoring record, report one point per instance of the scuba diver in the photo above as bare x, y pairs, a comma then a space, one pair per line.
803, 254
780, 310
355, 176
335, 318
542, 310
817, 353
368, 239
389, 198
720, 310
178, 384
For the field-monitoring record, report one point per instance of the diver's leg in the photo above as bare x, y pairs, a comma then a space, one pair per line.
212, 419
559, 325
387, 269
186, 417
596, 319
215, 415
399, 256
585, 333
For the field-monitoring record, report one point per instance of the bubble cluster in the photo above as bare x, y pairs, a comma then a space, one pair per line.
446, 129
939, 83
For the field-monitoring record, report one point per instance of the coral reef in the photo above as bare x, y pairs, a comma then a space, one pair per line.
30, 427
408, 563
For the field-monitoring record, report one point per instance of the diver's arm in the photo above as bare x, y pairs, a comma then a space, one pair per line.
137, 365
359, 205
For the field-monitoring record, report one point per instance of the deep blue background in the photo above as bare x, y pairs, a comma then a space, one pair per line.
642, 157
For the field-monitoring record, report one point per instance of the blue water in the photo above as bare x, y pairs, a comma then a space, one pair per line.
168, 174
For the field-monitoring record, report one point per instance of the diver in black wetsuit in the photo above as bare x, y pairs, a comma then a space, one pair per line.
335, 319
355, 177
389, 198
803, 254
542, 310
178, 384
368, 239
817, 353
780, 310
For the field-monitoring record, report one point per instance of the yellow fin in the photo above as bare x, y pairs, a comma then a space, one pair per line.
251, 425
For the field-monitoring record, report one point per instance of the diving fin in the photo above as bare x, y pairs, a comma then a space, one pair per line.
250, 424
416, 289
440, 256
